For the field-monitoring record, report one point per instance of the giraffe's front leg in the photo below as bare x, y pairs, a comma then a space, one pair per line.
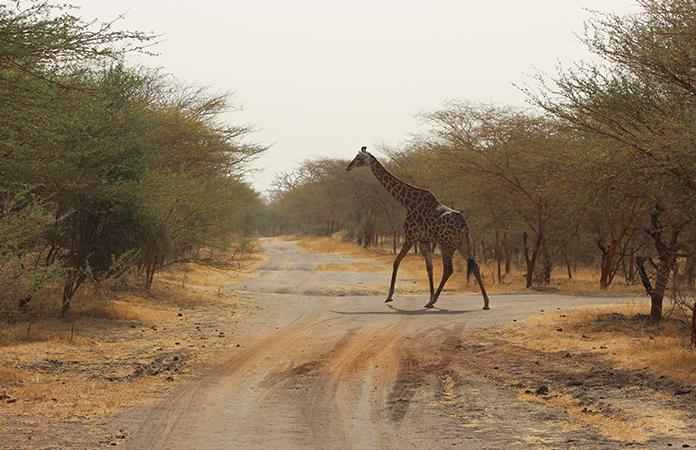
404, 250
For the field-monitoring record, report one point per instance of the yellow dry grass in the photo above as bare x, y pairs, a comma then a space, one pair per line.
629, 425
340, 247
45, 375
584, 282
617, 331
41, 395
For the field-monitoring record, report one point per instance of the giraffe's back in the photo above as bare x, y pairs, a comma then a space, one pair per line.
438, 224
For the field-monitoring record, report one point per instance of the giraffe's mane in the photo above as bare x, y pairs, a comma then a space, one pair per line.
409, 185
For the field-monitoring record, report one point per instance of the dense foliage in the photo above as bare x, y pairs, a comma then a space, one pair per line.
104, 167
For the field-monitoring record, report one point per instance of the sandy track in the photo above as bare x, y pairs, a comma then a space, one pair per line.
354, 373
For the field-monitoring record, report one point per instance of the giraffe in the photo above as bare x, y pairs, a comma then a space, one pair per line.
429, 223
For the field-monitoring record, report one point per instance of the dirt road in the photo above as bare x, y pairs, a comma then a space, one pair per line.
351, 372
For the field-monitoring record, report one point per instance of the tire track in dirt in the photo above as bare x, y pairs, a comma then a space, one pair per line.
353, 373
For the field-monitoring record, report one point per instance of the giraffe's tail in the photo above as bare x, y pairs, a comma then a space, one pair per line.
465, 248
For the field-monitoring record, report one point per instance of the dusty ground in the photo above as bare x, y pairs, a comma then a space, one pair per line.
324, 363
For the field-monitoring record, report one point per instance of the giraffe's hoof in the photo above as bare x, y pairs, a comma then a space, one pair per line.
389, 300
486, 307
429, 305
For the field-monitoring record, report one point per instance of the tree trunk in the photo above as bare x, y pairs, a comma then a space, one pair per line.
568, 267
509, 251
530, 261
609, 252
498, 255
631, 268
693, 327
656, 293
547, 265
690, 271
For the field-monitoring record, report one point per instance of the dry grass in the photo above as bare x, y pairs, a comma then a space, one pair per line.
129, 345
620, 334
584, 282
617, 331
629, 425
340, 247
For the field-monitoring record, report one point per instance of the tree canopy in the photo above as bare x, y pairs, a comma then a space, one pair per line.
100, 161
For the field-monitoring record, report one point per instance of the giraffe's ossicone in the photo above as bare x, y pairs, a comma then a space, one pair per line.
428, 223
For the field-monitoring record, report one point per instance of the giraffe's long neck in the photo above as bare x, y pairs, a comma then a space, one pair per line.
403, 192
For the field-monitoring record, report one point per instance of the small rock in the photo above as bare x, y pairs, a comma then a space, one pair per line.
169, 379
542, 390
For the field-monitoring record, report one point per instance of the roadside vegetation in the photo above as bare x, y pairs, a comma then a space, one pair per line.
106, 169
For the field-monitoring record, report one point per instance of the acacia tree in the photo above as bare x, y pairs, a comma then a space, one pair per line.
125, 161
593, 188
192, 192
309, 199
44, 55
643, 96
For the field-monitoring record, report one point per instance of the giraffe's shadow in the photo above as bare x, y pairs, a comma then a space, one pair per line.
410, 312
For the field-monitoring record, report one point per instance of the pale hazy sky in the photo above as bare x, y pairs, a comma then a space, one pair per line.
325, 77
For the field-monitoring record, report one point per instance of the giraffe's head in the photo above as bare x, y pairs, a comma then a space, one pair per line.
362, 160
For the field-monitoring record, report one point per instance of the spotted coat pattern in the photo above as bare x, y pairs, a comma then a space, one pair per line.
428, 223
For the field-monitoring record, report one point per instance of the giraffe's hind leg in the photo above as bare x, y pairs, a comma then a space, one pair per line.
447, 271
427, 249
473, 267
